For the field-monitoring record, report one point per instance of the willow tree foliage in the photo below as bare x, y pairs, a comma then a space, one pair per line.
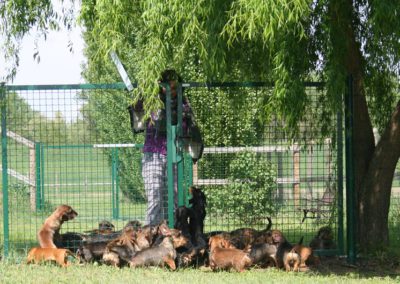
284, 42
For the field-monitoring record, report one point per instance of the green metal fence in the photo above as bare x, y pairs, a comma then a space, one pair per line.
72, 144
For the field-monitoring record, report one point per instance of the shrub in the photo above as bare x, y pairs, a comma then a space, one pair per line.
249, 193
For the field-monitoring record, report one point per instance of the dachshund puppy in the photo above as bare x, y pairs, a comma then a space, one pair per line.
70, 240
238, 237
126, 246
37, 255
94, 246
291, 259
307, 256
224, 257
190, 220
132, 225
323, 240
51, 227
263, 254
197, 214
162, 254
286, 256
105, 227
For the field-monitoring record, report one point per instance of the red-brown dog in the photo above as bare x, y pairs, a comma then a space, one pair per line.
37, 255
306, 255
224, 257
51, 227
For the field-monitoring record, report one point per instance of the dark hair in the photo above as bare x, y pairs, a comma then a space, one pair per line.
169, 75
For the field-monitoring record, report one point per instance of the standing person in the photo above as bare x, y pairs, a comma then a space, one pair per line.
154, 161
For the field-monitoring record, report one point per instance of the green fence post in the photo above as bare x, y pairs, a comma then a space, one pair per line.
38, 175
189, 176
179, 149
5, 169
116, 184
339, 154
170, 153
113, 181
42, 165
350, 195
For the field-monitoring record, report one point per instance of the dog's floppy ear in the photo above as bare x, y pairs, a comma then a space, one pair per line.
164, 230
225, 243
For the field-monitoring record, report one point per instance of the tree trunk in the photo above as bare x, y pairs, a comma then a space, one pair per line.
373, 166
377, 185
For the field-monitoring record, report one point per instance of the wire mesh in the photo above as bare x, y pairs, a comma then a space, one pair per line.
73, 145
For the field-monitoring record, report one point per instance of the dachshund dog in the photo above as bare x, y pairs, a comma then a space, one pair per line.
238, 237
263, 254
105, 227
70, 240
162, 254
51, 227
291, 259
286, 256
323, 240
307, 256
197, 216
190, 220
94, 246
135, 224
37, 255
224, 257
126, 246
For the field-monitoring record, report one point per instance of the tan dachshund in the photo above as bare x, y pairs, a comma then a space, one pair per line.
37, 255
51, 227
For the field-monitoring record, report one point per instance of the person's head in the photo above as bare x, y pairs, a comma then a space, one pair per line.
171, 77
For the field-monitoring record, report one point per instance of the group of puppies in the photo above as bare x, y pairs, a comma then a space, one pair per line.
185, 245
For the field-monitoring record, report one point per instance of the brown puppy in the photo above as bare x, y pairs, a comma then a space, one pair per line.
263, 254
323, 240
162, 254
224, 257
126, 246
240, 236
60, 256
286, 256
307, 256
51, 227
105, 227
291, 259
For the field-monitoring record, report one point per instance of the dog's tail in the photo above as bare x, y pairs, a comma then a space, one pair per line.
269, 224
67, 251
301, 241
248, 245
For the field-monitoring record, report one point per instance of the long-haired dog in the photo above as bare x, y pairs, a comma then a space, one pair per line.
38, 255
307, 256
323, 240
51, 227
126, 246
105, 227
263, 254
286, 256
197, 216
224, 257
162, 254
239, 237
190, 220
94, 246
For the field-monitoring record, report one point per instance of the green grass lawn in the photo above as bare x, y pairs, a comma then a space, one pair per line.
92, 273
